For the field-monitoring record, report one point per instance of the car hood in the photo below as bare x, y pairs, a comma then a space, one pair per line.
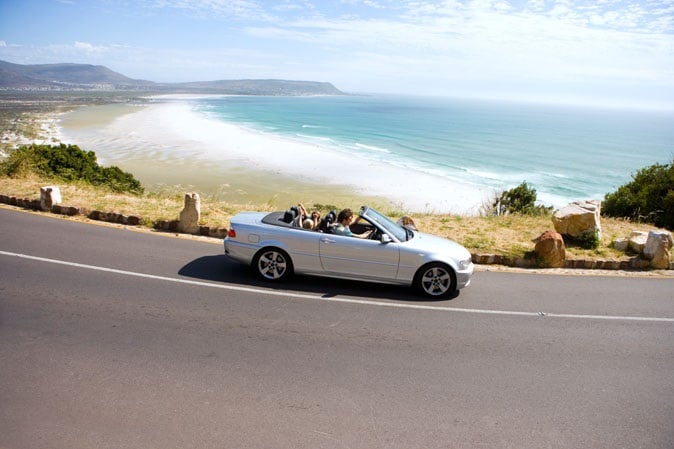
439, 245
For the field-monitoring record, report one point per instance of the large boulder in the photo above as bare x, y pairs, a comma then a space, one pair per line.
190, 215
621, 244
50, 196
658, 249
637, 241
550, 249
578, 218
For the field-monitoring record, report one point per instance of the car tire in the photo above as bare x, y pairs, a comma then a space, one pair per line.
272, 264
436, 280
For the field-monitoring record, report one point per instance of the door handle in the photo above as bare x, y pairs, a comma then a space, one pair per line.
327, 240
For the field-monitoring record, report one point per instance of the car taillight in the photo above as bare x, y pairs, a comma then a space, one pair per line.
231, 233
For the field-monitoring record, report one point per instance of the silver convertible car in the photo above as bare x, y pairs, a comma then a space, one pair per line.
393, 254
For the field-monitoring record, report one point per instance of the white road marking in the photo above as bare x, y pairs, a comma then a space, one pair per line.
342, 300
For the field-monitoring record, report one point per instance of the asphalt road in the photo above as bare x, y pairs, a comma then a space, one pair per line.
111, 338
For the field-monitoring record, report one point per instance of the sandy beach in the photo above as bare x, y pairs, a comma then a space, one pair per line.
167, 144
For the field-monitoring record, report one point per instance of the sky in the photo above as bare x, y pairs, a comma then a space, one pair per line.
601, 52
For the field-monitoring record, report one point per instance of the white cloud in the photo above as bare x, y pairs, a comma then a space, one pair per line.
238, 9
84, 46
559, 48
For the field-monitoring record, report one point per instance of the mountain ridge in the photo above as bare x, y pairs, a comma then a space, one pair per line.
88, 77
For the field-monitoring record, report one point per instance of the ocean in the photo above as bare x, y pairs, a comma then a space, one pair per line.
566, 153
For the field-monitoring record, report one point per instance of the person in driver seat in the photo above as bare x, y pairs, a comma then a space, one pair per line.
346, 219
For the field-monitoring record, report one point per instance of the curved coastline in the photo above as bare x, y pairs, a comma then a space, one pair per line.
167, 143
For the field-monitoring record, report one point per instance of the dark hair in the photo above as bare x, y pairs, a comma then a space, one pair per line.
344, 214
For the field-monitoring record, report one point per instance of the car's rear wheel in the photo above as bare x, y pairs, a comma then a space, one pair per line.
436, 280
272, 264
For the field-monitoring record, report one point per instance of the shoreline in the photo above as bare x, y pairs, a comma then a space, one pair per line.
168, 143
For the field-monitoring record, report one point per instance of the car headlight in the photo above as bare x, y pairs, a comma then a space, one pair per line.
464, 264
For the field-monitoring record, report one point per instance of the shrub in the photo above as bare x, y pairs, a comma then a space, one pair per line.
649, 197
70, 163
518, 200
588, 240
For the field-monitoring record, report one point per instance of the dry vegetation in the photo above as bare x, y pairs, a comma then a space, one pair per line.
506, 235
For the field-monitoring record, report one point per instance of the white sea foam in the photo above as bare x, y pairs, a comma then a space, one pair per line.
321, 140
174, 129
372, 148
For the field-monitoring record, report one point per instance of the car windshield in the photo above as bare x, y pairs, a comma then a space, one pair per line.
400, 233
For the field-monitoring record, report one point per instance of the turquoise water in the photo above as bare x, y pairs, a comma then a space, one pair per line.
565, 153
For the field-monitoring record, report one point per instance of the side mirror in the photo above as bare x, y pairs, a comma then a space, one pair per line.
385, 238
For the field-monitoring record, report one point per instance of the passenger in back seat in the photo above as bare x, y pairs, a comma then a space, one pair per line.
306, 220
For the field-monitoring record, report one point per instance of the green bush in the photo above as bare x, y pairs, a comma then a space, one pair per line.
70, 163
649, 197
588, 240
518, 200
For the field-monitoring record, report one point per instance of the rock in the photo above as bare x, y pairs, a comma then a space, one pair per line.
579, 218
621, 244
550, 248
133, 220
69, 210
49, 197
190, 215
658, 249
637, 264
220, 233
483, 259
167, 225
638, 241
95, 215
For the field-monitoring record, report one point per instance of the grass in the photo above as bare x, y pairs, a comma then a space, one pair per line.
510, 235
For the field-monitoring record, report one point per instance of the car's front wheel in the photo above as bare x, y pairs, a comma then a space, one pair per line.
436, 280
272, 264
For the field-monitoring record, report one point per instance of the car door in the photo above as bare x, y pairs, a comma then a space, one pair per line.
362, 258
